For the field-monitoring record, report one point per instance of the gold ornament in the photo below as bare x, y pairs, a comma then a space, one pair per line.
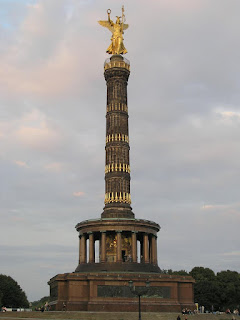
117, 29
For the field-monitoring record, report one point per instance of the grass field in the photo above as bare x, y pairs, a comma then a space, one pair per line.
110, 316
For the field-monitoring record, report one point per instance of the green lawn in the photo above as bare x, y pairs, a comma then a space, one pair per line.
110, 316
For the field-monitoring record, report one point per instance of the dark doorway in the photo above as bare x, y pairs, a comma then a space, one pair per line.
123, 255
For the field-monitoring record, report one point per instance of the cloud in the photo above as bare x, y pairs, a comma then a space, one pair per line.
233, 253
55, 166
230, 114
44, 60
17, 219
21, 164
78, 194
208, 206
229, 117
32, 130
39, 138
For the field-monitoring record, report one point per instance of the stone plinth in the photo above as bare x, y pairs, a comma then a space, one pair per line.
110, 291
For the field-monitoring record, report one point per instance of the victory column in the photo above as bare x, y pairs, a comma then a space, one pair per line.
118, 249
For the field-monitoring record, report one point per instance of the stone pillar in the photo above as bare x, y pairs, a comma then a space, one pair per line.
154, 249
79, 248
117, 165
83, 249
150, 248
141, 250
91, 248
134, 246
156, 257
119, 246
103, 246
145, 248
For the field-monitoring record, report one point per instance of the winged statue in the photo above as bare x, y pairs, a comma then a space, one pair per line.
117, 29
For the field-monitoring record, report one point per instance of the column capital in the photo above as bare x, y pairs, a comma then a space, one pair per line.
103, 231
82, 235
118, 231
134, 231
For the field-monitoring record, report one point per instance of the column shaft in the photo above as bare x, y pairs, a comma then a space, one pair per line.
150, 249
155, 255
83, 249
103, 247
145, 248
141, 251
134, 247
91, 248
79, 249
119, 247
153, 251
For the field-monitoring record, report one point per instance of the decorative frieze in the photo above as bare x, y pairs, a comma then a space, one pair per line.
117, 64
117, 137
119, 197
114, 167
117, 107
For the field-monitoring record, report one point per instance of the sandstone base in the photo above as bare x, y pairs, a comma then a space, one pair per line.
109, 291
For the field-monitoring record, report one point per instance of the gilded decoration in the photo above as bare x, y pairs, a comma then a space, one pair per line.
127, 248
117, 167
117, 137
117, 197
117, 29
111, 247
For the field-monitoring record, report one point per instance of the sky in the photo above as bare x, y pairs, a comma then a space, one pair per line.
184, 123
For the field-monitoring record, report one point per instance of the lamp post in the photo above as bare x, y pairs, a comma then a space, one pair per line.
139, 291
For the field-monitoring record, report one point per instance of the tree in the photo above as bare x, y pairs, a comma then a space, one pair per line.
220, 291
12, 294
171, 272
181, 273
41, 302
202, 274
229, 282
206, 289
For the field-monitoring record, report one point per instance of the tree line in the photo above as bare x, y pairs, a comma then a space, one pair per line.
216, 292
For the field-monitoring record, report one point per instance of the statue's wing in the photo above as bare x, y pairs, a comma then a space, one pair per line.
106, 24
125, 26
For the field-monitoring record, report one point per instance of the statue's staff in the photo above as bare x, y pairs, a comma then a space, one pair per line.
123, 18
108, 12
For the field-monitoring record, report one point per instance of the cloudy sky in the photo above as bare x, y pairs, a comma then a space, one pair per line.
184, 130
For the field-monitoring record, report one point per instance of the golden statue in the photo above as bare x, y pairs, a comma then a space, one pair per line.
117, 29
